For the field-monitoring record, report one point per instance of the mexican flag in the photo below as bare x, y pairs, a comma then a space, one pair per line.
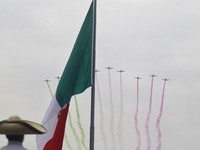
77, 77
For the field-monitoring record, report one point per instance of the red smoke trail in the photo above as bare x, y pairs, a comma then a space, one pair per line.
148, 117
135, 117
159, 118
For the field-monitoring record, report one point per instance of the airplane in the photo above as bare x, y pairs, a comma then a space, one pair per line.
47, 80
97, 70
109, 68
138, 78
121, 71
153, 75
57, 77
165, 79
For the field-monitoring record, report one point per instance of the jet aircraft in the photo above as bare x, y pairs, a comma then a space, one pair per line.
138, 78
109, 68
166, 79
121, 71
153, 75
47, 80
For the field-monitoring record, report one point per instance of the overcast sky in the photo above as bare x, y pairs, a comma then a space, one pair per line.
142, 37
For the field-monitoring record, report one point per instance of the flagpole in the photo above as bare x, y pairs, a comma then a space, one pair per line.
92, 127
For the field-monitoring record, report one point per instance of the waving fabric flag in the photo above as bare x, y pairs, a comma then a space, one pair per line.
74, 80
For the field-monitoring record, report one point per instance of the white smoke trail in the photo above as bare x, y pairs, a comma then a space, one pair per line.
101, 115
111, 111
120, 135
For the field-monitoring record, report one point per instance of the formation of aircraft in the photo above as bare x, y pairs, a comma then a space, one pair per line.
120, 71
153, 75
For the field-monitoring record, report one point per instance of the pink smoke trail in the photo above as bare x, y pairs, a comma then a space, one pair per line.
159, 118
148, 116
135, 117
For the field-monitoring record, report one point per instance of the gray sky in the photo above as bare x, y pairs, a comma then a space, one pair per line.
142, 37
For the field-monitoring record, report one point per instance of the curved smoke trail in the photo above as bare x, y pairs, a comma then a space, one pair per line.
135, 117
101, 115
79, 124
159, 118
65, 135
74, 132
112, 112
121, 114
148, 117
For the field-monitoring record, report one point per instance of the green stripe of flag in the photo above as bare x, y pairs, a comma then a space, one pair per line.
77, 73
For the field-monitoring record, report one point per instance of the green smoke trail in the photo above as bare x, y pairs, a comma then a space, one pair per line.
67, 141
79, 124
65, 135
47, 81
74, 132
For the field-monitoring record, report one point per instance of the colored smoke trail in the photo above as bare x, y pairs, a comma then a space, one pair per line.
111, 111
148, 117
159, 118
47, 81
65, 136
74, 132
136, 120
101, 115
120, 135
79, 124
